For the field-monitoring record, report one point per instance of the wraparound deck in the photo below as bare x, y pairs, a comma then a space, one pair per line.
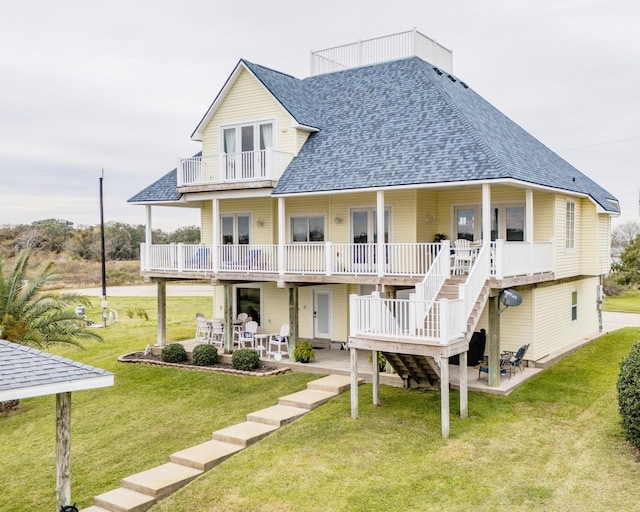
389, 260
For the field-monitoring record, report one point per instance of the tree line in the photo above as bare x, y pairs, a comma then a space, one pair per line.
56, 236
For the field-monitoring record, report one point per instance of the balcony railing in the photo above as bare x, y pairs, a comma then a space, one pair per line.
503, 259
406, 319
381, 49
266, 164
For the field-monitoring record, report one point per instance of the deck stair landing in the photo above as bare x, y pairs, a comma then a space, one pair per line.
141, 491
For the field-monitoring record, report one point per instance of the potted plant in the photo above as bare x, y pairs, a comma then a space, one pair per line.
303, 352
439, 237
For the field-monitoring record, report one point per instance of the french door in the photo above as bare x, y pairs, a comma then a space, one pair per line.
364, 230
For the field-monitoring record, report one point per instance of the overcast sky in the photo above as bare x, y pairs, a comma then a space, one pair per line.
121, 85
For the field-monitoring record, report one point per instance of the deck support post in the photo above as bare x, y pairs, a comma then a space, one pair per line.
375, 377
494, 342
354, 383
444, 396
293, 320
464, 391
63, 449
162, 313
228, 318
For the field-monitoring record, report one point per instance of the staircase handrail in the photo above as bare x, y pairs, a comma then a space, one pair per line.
438, 273
480, 271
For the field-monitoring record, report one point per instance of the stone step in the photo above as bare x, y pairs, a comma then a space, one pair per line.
161, 480
332, 383
277, 415
244, 434
206, 455
124, 500
307, 399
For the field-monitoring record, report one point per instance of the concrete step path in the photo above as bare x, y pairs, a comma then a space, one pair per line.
141, 491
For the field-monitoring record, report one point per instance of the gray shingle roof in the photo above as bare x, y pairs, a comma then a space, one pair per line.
403, 123
26, 372
161, 190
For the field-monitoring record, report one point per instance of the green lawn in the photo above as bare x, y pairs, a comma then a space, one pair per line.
553, 444
628, 302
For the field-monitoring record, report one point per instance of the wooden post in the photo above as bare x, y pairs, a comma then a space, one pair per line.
228, 318
354, 383
464, 392
63, 449
444, 396
162, 313
293, 320
494, 342
375, 377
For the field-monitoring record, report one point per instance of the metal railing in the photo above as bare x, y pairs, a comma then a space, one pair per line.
381, 49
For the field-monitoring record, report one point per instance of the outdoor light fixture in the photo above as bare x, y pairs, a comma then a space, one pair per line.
337, 220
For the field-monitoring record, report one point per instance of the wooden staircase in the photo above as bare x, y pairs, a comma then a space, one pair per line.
424, 371
415, 371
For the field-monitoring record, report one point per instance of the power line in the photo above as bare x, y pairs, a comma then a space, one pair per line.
603, 143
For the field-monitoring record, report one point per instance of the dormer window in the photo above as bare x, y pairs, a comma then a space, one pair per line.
247, 150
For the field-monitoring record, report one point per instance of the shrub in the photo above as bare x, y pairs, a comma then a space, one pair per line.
245, 359
205, 355
174, 353
629, 394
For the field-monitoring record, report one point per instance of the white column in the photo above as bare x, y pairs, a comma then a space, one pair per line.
281, 235
148, 228
486, 214
380, 231
528, 215
215, 222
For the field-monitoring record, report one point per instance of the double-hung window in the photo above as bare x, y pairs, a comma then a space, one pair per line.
246, 151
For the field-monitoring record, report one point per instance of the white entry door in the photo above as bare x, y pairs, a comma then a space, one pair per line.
322, 321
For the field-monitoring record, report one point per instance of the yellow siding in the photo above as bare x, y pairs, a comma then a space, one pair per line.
589, 238
554, 329
604, 244
427, 215
261, 210
567, 262
516, 326
206, 223
246, 101
543, 217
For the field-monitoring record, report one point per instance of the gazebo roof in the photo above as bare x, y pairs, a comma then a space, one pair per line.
27, 372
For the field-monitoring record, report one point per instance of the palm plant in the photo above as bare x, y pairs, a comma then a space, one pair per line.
29, 316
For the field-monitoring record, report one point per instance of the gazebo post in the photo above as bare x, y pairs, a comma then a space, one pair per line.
63, 449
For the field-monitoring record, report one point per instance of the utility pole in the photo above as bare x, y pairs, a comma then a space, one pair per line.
104, 268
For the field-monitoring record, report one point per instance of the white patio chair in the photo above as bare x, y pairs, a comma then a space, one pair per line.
463, 256
216, 335
203, 331
279, 341
245, 339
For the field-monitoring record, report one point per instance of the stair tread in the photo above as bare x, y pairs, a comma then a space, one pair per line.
124, 500
332, 383
205, 455
307, 399
277, 415
161, 480
245, 433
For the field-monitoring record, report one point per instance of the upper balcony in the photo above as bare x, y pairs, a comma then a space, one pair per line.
266, 165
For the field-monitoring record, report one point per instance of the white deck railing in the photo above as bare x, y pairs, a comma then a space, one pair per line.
406, 319
381, 49
266, 164
521, 258
476, 280
505, 259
